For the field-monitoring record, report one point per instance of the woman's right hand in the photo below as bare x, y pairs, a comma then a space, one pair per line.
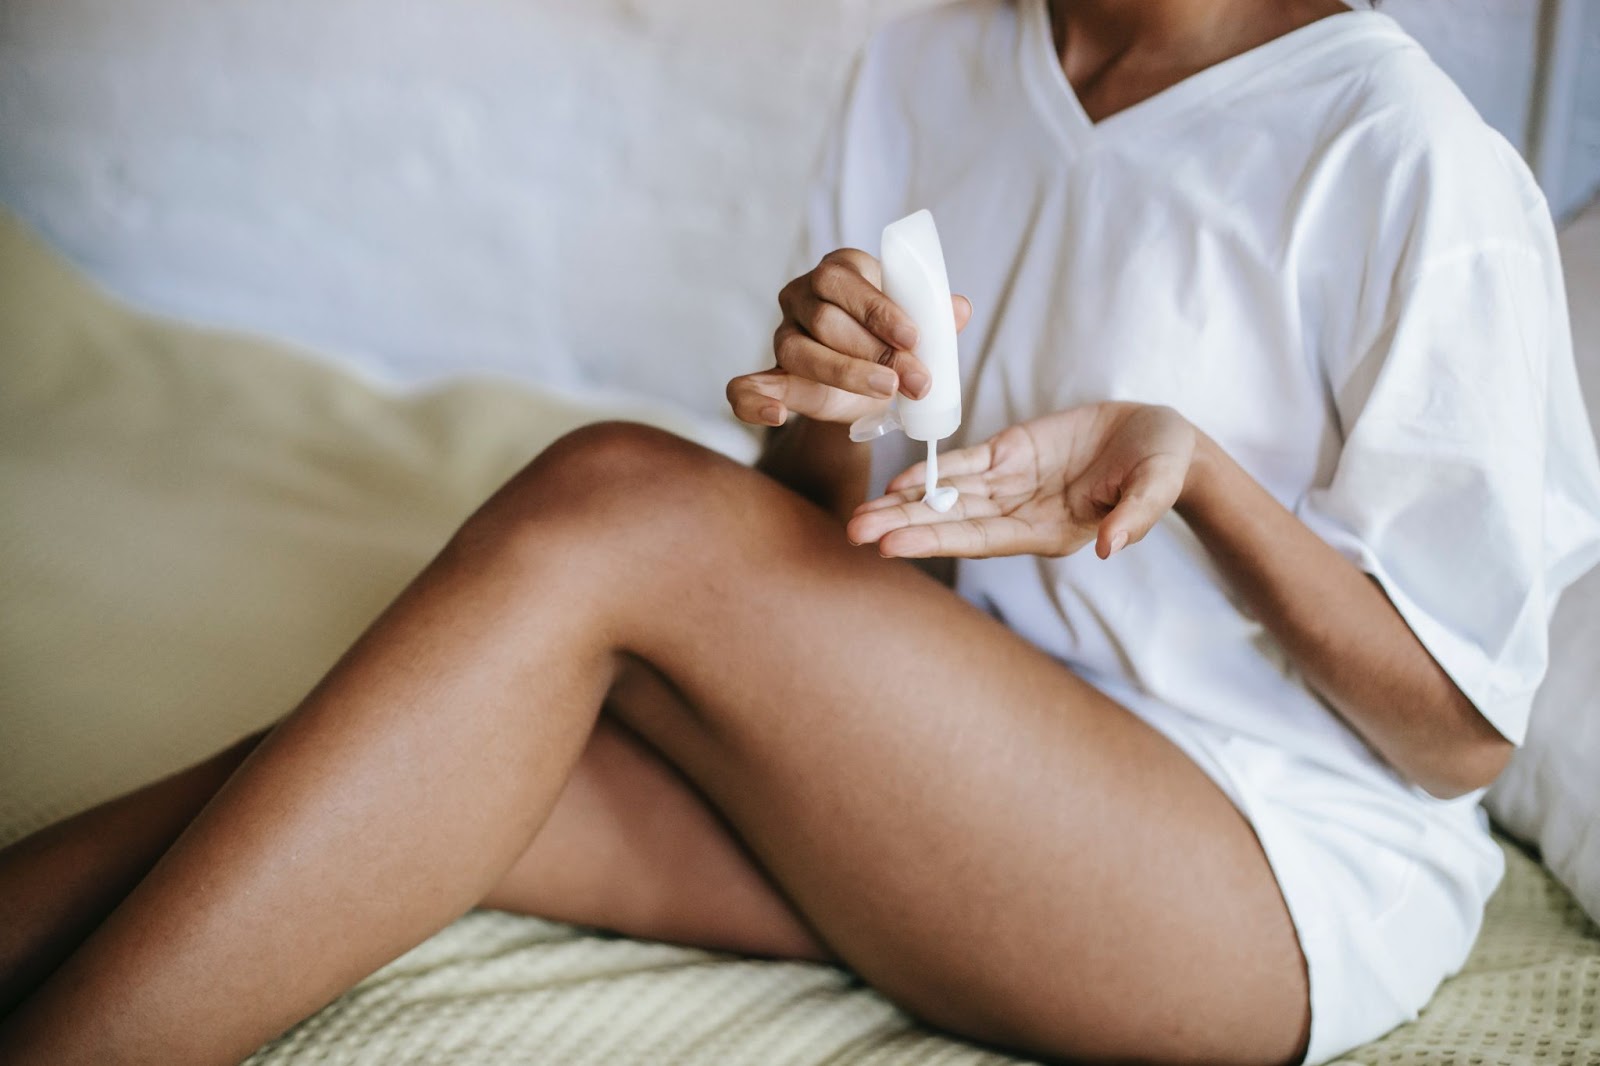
843, 348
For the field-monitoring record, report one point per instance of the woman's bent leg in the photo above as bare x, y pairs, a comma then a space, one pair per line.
612, 855
976, 831
61, 882
632, 847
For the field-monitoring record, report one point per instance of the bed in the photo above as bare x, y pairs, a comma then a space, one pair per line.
194, 524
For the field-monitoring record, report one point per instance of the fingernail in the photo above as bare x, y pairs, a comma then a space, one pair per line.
1117, 543
883, 381
773, 414
917, 383
905, 337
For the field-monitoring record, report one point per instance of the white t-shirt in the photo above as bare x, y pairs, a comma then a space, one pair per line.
1320, 255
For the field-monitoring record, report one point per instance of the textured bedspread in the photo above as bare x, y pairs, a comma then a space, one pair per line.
193, 525
499, 989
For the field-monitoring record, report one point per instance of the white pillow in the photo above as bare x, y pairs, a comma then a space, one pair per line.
1550, 794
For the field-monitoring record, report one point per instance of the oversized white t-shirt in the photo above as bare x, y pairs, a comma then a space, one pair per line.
1318, 253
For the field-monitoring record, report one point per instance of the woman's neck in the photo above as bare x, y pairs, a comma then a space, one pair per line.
1116, 53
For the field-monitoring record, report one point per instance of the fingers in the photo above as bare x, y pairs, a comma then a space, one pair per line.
970, 485
769, 397
840, 279
970, 460
877, 519
757, 399
970, 538
911, 475
835, 328
842, 334
840, 306
1148, 491
869, 306
801, 355
963, 310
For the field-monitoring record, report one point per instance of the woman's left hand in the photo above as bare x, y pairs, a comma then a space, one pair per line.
1103, 472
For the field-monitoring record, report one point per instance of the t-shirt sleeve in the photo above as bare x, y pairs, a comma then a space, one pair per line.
1466, 484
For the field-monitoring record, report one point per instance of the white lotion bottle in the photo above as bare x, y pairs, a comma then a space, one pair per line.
914, 278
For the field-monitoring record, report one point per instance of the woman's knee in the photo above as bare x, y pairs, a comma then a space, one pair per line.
594, 484
612, 465
603, 455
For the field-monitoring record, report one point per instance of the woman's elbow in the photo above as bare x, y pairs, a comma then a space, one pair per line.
1469, 766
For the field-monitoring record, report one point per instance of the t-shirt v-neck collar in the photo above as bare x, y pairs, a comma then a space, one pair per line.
1058, 102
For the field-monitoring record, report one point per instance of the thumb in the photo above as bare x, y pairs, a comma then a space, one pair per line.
1148, 492
963, 311
768, 397
759, 398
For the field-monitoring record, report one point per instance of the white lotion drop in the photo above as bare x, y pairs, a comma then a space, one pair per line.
940, 499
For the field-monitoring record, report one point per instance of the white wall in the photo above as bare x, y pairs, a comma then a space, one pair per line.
573, 191
1572, 157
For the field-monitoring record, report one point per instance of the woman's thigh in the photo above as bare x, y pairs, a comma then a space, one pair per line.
979, 833
632, 847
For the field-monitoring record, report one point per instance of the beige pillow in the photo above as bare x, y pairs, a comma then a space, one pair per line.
194, 525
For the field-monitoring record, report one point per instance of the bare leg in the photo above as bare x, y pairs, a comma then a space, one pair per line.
630, 847
980, 834
61, 882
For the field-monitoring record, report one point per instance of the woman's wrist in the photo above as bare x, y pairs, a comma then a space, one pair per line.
1206, 465
819, 461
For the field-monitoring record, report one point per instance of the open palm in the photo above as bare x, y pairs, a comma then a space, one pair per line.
1102, 472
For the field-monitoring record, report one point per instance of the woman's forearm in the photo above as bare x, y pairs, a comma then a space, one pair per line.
1340, 630
819, 461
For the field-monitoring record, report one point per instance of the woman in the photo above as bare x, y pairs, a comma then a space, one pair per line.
1258, 307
